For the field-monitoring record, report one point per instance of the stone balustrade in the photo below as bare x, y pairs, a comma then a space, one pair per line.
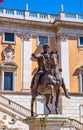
26, 15
14, 106
65, 16
37, 16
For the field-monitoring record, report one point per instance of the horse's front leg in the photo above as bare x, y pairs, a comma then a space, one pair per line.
32, 105
57, 100
47, 101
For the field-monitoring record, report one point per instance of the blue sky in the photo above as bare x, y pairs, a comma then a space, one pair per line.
47, 6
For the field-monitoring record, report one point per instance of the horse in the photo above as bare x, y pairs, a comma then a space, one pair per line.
50, 84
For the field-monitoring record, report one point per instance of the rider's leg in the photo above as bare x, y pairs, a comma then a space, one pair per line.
32, 82
64, 88
36, 84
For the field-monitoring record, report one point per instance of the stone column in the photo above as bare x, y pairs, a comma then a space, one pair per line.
26, 62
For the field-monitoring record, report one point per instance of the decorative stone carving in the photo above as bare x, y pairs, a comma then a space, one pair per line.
26, 37
8, 53
61, 37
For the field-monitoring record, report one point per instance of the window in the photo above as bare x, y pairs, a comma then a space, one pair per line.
8, 80
43, 40
9, 37
80, 41
8, 76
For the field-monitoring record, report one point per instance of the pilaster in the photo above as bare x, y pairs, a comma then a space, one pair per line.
26, 62
64, 57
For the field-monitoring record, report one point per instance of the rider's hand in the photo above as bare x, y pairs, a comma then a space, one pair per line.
33, 55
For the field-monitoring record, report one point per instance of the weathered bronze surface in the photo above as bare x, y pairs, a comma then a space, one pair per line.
48, 79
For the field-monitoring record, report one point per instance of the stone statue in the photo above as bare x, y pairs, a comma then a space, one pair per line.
8, 52
48, 76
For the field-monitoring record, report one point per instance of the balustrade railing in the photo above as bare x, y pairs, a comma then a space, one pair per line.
15, 106
21, 14
73, 124
76, 123
37, 16
71, 17
29, 15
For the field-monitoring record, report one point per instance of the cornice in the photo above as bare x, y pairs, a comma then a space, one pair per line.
22, 30
27, 23
68, 24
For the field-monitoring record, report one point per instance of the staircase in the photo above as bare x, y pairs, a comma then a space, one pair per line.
12, 115
12, 107
73, 124
12, 112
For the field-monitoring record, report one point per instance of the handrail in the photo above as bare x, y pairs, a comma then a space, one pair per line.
77, 124
15, 106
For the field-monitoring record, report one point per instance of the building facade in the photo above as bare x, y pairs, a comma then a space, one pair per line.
23, 33
27, 32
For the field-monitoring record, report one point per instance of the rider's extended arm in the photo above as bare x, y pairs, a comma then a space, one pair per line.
36, 56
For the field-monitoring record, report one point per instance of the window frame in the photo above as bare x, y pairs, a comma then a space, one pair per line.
79, 41
13, 42
8, 67
12, 84
38, 42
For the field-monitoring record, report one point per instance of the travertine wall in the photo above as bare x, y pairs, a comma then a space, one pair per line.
73, 107
67, 107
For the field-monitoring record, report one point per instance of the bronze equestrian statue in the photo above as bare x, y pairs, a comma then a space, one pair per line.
48, 78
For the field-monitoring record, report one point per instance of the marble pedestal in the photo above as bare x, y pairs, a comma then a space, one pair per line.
46, 122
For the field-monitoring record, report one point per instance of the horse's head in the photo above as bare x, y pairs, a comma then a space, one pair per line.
54, 58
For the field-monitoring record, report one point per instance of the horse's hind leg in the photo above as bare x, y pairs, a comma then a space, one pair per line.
57, 100
47, 101
32, 105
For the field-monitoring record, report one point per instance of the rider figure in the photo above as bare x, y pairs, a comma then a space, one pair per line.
43, 67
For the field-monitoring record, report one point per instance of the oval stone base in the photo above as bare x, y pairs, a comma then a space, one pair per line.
46, 122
